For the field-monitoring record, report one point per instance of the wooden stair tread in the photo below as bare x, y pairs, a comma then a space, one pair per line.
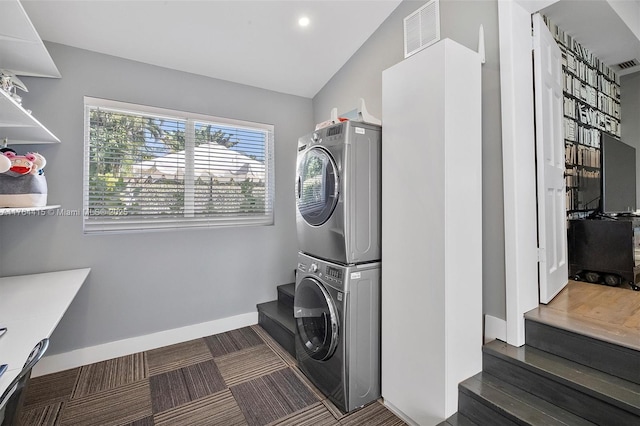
288, 289
580, 364
286, 295
515, 403
593, 328
613, 390
280, 313
610, 314
599, 354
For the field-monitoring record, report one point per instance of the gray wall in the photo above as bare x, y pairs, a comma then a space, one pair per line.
147, 282
630, 123
361, 77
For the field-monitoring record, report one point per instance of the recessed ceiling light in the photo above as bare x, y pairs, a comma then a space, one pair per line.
304, 21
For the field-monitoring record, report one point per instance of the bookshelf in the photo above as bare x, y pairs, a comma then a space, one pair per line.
591, 106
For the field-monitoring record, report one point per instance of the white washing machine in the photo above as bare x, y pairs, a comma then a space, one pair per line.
337, 313
338, 193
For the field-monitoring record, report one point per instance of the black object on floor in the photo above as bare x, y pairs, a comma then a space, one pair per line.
276, 317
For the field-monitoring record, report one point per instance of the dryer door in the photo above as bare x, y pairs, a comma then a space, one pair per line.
316, 319
317, 186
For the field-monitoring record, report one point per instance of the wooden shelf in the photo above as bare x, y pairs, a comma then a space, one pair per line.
582, 166
26, 211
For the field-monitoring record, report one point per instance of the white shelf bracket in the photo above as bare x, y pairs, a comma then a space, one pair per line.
481, 50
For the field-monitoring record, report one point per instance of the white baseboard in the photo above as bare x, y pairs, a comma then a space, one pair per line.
494, 328
399, 413
89, 355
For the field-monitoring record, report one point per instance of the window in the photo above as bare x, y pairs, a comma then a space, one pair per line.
150, 169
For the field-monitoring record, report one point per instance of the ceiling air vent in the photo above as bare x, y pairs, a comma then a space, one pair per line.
628, 64
422, 28
627, 67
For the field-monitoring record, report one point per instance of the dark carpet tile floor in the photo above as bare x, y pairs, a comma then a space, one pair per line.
241, 377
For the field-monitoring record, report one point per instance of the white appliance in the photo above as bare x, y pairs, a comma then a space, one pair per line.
338, 193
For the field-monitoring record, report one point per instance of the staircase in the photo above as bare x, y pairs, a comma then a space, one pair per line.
560, 377
276, 317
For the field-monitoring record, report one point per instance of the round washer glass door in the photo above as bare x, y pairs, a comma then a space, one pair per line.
316, 319
317, 186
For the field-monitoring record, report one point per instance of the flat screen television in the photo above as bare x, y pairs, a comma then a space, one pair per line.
618, 163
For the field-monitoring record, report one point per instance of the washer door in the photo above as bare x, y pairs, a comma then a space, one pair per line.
316, 319
317, 186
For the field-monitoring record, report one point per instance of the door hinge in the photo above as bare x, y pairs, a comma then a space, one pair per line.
541, 254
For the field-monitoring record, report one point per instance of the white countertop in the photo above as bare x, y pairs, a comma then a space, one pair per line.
31, 307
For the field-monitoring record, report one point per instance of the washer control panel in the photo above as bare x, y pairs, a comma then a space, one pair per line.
334, 273
331, 275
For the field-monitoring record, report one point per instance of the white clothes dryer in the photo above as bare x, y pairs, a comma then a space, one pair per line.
338, 190
337, 314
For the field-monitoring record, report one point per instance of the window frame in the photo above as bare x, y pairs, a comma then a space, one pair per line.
115, 222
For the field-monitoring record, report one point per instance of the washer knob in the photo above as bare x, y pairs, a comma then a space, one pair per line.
314, 267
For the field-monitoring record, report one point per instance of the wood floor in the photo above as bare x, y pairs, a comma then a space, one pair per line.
607, 313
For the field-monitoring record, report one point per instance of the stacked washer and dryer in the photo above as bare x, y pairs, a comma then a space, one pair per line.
337, 291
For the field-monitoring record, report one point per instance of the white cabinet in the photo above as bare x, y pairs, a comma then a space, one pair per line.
23, 53
431, 230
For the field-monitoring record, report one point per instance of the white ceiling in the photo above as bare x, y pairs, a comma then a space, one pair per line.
258, 43
599, 27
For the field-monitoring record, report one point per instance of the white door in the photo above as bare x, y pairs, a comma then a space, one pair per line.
550, 164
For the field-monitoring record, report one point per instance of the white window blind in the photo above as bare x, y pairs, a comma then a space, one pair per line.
151, 169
